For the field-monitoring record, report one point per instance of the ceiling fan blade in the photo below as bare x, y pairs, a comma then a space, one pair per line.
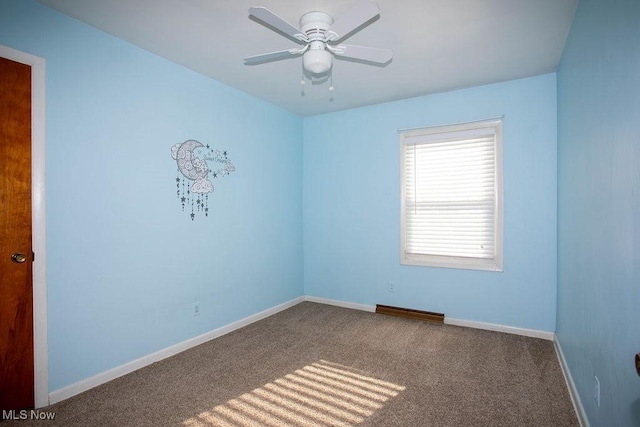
360, 14
265, 15
273, 56
369, 54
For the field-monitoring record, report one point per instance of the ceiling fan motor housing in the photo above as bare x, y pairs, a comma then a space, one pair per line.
316, 60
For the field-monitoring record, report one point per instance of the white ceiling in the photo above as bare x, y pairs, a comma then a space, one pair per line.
438, 45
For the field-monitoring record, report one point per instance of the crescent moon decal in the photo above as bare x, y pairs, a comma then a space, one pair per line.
190, 166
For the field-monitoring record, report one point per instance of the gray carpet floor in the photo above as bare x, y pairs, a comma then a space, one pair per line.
316, 364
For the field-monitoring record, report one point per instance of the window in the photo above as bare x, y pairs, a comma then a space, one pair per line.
451, 179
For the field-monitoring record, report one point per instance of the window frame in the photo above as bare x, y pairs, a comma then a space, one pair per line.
470, 263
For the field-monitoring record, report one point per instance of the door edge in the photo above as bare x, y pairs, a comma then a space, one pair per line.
40, 346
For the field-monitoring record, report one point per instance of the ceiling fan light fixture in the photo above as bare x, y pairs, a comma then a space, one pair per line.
317, 61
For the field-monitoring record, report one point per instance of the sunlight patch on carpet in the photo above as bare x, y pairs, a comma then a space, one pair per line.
320, 394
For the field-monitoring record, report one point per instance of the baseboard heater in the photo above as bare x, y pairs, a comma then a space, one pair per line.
429, 316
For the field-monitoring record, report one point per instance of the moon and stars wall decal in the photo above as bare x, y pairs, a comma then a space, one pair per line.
193, 183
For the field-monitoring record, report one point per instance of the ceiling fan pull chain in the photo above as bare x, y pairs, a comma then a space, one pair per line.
331, 82
331, 85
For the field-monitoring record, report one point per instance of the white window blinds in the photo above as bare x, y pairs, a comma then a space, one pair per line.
451, 196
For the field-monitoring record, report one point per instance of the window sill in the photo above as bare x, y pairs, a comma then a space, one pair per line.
452, 262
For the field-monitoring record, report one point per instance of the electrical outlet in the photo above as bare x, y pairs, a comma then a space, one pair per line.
596, 391
196, 308
390, 288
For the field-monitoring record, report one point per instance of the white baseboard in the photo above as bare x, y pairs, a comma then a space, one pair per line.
447, 320
573, 391
344, 304
103, 377
534, 333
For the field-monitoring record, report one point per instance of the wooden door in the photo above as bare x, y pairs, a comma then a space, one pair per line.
16, 277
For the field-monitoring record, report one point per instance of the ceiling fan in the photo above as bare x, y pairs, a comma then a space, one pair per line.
320, 36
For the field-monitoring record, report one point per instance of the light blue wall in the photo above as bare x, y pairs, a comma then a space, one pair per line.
599, 207
351, 207
125, 264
